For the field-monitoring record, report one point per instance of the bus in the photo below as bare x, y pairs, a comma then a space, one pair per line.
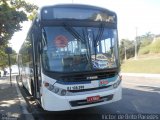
70, 57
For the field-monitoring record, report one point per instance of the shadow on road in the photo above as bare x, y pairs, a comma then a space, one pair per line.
133, 102
150, 88
9, 100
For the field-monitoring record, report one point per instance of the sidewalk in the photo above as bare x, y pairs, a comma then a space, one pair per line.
12, 104
157, 76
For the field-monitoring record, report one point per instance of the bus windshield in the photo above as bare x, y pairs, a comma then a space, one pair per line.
77, 49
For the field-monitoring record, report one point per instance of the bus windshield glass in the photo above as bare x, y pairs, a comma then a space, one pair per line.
77, 49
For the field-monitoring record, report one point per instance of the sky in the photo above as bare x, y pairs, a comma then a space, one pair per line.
142, 15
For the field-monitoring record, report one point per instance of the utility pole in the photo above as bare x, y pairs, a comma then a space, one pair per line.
135, 56
125, 53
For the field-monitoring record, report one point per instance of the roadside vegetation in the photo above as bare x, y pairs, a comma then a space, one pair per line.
151, 66
12, 14
148, 54
154, 47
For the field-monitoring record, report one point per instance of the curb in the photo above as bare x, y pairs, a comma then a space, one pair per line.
142, 75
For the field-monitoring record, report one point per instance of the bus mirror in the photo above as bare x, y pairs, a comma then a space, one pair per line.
40, 51
111, 49
31, 72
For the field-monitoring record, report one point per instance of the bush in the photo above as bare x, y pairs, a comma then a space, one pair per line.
144, 50
155, 46
152, 48
145, 43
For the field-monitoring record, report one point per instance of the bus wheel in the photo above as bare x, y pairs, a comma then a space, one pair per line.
32, 88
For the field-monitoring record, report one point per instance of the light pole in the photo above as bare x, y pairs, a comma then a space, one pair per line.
125, 53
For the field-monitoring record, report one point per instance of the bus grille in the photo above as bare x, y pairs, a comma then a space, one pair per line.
84, 102
83, 77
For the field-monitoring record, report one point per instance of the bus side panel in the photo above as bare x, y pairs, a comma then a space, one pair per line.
26, 64
26, 80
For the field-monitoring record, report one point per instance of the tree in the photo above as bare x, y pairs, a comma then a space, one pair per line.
146, 39
12, 13
130, 48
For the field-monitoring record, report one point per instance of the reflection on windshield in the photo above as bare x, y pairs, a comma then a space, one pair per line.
77, 49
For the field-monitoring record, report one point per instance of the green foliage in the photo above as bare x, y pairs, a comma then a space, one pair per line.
145, 39
130, 48
29, 8
12, 13
144, 50
9, 22
124, 43
32, 15
145, 43
4, 57
22, 4
155, 46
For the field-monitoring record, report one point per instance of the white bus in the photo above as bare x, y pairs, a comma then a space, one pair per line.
70, 58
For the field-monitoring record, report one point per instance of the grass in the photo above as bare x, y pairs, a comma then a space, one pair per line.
154, 48
142, 66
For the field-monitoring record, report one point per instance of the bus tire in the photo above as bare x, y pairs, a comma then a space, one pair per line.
32, 88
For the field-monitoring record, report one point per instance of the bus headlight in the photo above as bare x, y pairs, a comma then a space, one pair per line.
51, 87
63, 92
115, 85
56, 90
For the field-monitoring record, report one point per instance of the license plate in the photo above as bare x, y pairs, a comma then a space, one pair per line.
93, 99
103, 83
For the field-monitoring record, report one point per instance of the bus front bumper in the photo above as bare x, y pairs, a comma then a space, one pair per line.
54, 102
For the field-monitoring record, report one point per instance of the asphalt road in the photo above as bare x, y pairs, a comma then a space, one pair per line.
140, 95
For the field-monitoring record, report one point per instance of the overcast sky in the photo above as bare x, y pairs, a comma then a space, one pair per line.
132, 14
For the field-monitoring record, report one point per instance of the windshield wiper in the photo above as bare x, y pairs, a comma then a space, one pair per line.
83, 39
98, 38
88, 55
73, 32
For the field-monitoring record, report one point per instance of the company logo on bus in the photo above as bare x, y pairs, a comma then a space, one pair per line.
92, 77
61, 41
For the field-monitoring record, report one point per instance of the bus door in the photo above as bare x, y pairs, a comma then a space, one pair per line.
34, 83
